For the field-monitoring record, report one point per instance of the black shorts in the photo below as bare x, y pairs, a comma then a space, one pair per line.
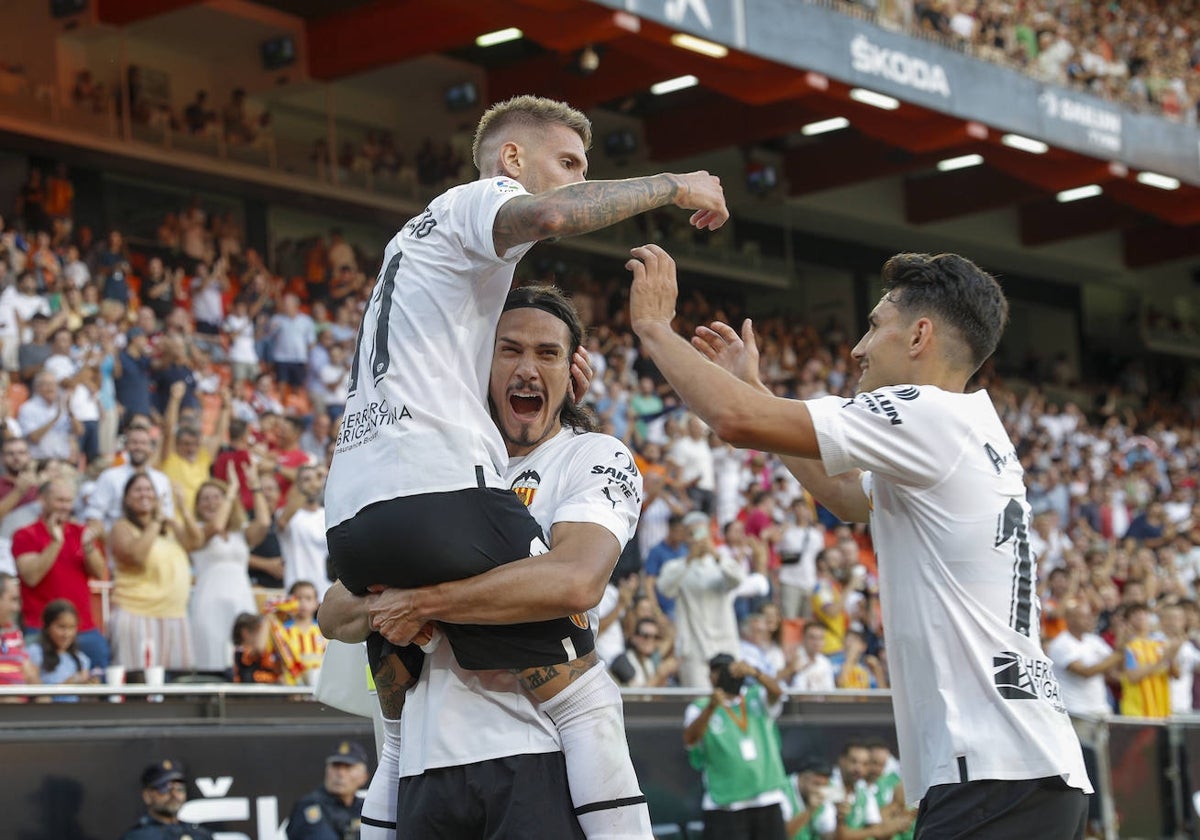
512, 798
291, 373
762, 823
438, 537
1031, 809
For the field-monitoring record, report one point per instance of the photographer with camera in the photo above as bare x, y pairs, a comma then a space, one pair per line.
732, 739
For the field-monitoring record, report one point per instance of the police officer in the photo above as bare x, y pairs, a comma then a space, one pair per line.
333, 811
164, 790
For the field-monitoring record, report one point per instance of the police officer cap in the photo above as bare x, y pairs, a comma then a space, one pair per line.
347, 752
161, 772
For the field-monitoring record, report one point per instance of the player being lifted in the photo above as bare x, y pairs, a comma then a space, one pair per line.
415, 494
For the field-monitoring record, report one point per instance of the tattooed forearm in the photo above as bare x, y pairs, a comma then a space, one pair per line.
391, 681
581, 208
535, 678
577, 667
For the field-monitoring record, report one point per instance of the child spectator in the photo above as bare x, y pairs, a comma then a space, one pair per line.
253, 659
303, 637
57, 655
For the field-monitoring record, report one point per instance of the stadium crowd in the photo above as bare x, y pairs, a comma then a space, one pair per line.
1146, 55
168, 418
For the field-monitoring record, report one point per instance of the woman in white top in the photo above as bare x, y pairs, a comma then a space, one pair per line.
220, 562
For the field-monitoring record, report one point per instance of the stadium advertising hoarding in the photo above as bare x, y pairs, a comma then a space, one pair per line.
812, 37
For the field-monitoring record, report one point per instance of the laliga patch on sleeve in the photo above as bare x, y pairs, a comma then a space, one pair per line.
506, 185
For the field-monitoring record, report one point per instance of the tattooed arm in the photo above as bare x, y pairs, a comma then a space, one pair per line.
591, 205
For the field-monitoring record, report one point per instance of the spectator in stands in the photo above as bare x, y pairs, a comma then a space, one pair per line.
220, 561
301, 635
333, 810
46, 421
131, 375
186, 458
149, 624
799, 544
57, 654
18, 489
828, 600
106, 503
809, 669
317, 438
254, 660
301, 526
208, 297
56, 558
857, 669
758, 648
704, 584
739, 755
243, 355
1149, 664
642, 665
266, 558
173, 365
292, 333
160, 288
673, 546
164, 792
1083, 661
15, 665
1172, 619
694, 457
197, 117
238, 130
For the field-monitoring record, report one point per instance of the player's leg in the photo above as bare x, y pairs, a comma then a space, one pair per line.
421, 540
1032, 809
439, 803
526, 796
586, 707
379, 808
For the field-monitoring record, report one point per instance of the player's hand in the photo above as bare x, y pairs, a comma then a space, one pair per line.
738, 354
393, 614
654, 290
703, 193
581, 374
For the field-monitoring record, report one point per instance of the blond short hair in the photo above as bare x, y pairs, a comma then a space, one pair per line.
528, 112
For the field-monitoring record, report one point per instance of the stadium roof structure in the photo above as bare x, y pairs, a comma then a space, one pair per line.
1089, 169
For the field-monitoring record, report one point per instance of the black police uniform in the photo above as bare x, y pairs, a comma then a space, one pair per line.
149, 828
322, 816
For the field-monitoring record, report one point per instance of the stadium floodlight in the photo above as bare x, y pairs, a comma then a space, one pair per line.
672, 85
825, 126
500, 36
1025, 144
691, 42
1076, 193
875, 100
1153, 179
960, 162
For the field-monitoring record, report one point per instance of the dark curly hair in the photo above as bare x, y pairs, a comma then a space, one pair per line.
954, 290
552, 300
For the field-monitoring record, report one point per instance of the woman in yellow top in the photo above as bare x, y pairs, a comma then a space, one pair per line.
149, 624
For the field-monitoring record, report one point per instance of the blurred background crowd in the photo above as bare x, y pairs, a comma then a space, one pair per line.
168, 413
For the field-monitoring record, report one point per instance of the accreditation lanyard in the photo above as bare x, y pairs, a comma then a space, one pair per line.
742, 721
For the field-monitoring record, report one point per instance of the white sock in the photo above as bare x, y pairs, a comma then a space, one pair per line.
590, 719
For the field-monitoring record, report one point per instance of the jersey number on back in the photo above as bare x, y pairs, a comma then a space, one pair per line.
1011, 525
380, 358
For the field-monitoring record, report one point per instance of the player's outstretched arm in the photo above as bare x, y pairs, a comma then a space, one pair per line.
843, 494
587, 206
739, 413
568, 579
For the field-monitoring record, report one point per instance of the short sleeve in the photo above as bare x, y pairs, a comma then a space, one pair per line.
891, 431
479, 205
606, 488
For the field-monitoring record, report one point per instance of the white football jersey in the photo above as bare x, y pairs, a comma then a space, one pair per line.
417, 416
454, 717
974, 695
